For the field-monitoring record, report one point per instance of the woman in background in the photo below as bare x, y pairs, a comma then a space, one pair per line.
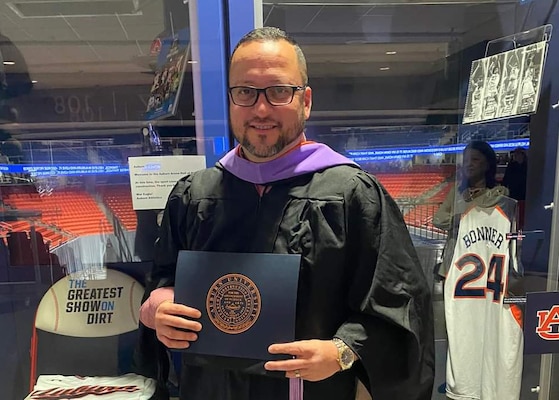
477, 186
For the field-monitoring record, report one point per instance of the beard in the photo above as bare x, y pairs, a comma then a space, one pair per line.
288, 135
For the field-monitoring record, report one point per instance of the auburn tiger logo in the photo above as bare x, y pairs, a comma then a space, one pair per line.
548, 323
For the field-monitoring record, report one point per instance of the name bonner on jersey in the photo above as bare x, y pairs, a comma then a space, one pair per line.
485, 233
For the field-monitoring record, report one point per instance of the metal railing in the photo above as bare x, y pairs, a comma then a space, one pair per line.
419, 219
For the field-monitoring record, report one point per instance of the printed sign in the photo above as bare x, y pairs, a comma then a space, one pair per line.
80, 307
153, 177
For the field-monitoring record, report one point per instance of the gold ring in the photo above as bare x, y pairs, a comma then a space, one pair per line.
297, 373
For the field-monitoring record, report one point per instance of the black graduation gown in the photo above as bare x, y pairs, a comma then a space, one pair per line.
360, 278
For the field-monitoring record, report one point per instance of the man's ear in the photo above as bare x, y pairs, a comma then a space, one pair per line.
308, 101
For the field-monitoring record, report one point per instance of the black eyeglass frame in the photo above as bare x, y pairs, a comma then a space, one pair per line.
263, 90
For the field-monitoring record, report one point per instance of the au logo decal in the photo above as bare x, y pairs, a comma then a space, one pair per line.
548, 323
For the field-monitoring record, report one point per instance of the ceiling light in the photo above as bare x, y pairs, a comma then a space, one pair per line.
34, 82
384, 68
390, 53
9, 63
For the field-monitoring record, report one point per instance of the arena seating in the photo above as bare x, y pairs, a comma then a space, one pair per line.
419, 192
119, 200
73, 212
53, 237
417, 182
421, 215
410, 185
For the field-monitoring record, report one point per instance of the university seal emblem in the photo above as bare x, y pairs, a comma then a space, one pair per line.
233, 303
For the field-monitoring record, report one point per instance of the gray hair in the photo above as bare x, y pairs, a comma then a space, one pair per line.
269, 33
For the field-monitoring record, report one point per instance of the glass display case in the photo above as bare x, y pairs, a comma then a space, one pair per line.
89, 89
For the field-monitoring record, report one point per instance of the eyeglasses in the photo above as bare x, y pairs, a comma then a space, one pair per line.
279, 95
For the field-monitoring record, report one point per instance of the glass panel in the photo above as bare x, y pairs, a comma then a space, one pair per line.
84, 88
391, 80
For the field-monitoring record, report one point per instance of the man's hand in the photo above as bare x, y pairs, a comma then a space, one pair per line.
314, 360
174, 325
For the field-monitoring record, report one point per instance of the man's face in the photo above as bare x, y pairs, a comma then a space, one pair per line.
264, 131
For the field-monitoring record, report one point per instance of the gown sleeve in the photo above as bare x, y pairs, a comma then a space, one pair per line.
391, 317
171, 235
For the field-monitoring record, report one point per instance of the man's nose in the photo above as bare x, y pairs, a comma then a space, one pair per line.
262, 107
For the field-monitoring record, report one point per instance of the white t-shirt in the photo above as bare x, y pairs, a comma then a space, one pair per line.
124, 387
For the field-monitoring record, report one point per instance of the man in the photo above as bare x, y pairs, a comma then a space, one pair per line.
516, 174
360, 280
515, 179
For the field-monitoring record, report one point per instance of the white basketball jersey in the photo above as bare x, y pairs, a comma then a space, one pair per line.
485, 342
125, 387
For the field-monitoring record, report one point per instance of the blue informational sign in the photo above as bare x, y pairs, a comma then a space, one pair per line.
541, 323
169, 76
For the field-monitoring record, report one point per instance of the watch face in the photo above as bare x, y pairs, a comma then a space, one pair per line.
347, 357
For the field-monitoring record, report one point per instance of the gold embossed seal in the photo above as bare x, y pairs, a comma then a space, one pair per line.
233, 303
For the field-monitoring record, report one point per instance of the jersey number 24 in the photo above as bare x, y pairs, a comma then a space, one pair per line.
468, 284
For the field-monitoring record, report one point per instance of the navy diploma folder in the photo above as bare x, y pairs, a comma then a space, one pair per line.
247, 301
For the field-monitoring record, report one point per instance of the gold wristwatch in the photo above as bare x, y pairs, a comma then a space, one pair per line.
346, 357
